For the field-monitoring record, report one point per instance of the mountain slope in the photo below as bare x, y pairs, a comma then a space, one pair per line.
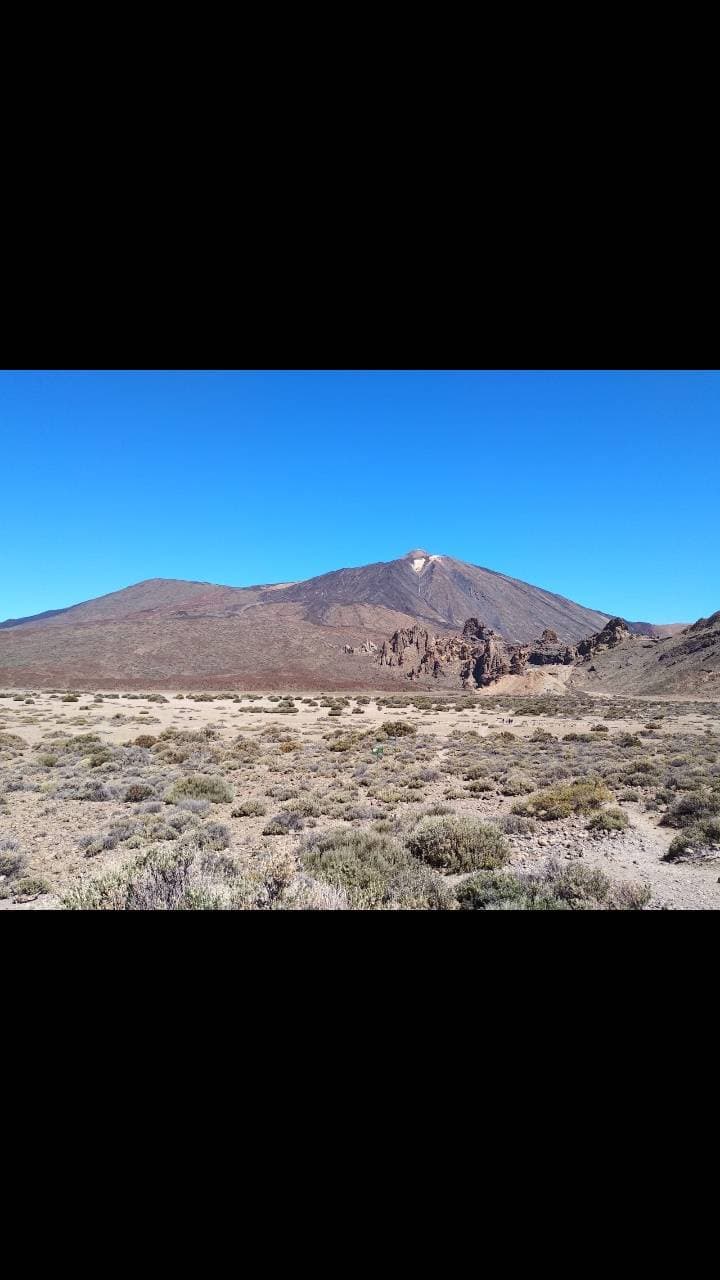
167, 631
444, 591
687, 662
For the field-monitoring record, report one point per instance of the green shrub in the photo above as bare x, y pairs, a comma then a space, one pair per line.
373, 871
200, 787
475, 773
553, 803
699, 841
395, 729
25, 887
551, 888
249, 809
608, 820
513, 825
516, 784
283, 823
691, 807
458, 843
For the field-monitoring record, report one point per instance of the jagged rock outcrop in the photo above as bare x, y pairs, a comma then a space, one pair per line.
615, 632
480, 656
549, 650
492, 658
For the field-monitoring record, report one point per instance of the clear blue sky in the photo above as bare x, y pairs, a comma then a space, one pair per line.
604, 487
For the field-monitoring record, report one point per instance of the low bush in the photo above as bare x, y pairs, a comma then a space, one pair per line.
513, 825
698, 842
185, 879
249, 809
201, 787
395, 729
373, 871
458, 843
558, 802
608, 820
551, 888
691, 807
516, 784
11, 859
25, 887
283, 823
136, 792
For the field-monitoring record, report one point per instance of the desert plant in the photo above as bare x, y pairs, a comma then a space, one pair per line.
201, 787
458, 843
691, 807
373, 870
697, 842
11, 859
608, 820
249, 809
136, 792
553, 803
395, 729
25, 887
551, 888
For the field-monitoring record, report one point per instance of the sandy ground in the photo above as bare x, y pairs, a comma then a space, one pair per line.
48, 828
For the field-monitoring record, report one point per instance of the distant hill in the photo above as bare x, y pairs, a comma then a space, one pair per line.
171, 632
686, 662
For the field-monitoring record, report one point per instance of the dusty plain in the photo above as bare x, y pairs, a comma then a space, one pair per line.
235, 800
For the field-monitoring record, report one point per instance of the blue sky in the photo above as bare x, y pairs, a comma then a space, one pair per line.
602, 486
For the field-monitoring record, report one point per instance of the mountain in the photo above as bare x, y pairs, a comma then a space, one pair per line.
198, 634
444, 592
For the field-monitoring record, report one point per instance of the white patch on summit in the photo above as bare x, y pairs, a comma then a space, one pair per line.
418, 564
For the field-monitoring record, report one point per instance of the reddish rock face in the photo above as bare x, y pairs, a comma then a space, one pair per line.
480, 656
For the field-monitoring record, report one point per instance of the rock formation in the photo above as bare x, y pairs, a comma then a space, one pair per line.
613, 633
480, 656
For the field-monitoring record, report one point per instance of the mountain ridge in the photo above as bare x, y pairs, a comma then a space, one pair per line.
173, 630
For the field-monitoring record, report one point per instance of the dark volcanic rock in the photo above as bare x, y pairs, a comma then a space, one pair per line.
613, 633
480, 656
549, 650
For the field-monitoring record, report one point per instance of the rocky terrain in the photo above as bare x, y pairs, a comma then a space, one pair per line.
687, 662
476, 659
613, 658
278, 636
427, 800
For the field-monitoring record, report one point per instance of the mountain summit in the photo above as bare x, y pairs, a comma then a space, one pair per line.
443, 591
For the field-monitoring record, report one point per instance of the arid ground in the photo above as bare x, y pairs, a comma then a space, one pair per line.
468, 801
